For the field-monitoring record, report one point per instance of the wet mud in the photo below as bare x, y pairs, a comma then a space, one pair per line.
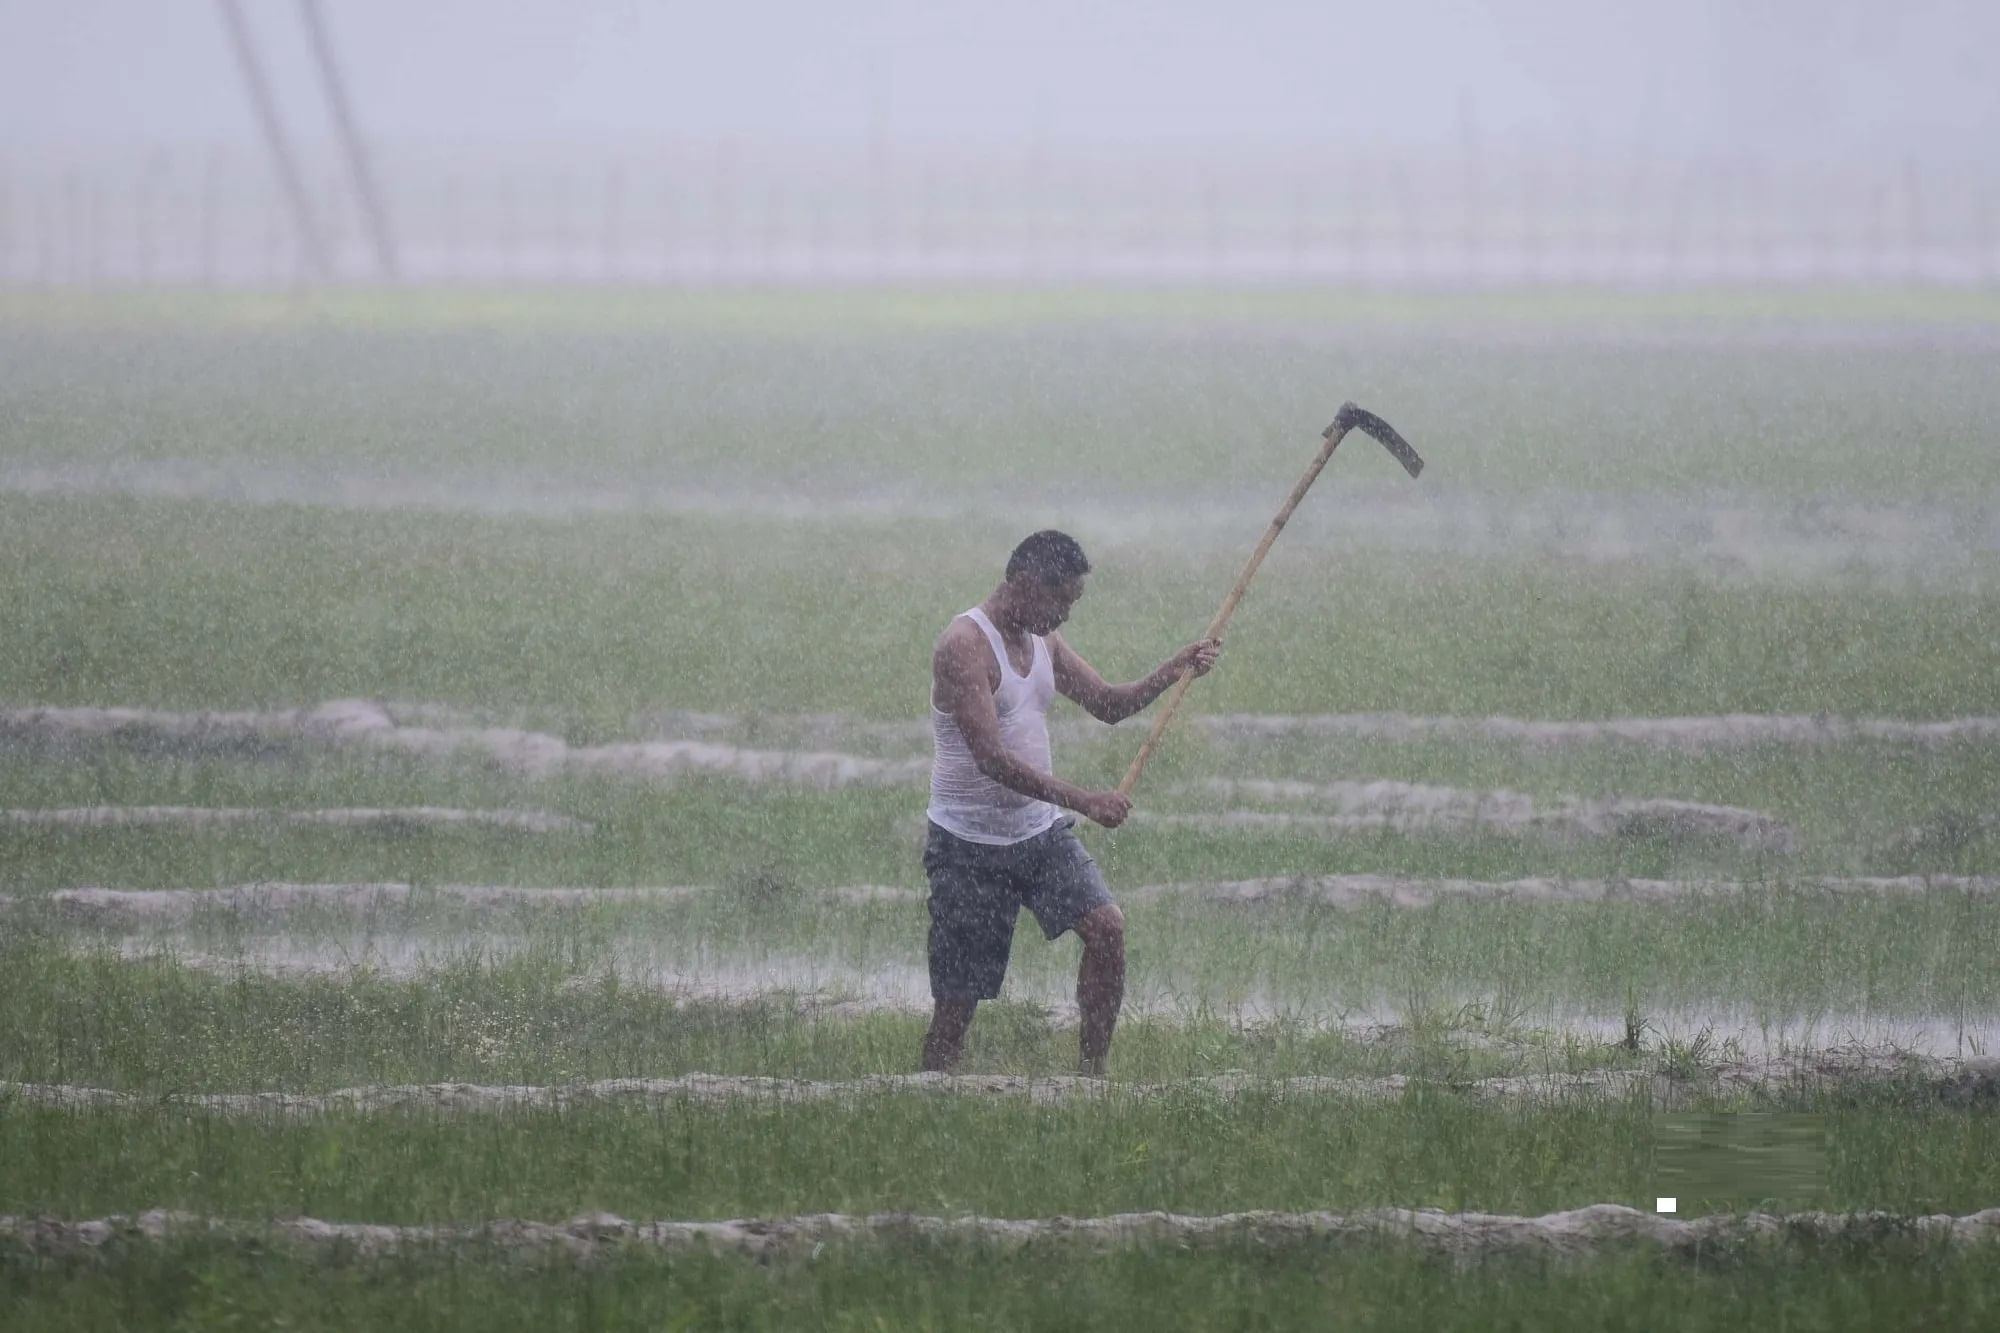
1728, 731
1417, 808
1951, 1080
679, 741
364, 724
198, 817
273, 904
1356, 891
276, 903
1576, 1232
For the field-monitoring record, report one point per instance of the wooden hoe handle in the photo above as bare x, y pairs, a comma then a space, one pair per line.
1334, 435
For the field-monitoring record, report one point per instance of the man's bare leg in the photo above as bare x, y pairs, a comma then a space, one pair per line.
1100, 985
945, 1042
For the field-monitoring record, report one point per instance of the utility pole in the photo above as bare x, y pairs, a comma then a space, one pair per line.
310, 245
350, 139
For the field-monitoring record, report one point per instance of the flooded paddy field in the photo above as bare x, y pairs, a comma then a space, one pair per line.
1756, 966
416, 710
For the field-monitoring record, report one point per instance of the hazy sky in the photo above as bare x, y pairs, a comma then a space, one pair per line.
1783, 78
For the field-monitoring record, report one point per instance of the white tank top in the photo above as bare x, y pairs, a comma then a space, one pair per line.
965, 802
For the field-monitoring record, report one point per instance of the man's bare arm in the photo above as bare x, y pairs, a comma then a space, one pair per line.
1077, 679
961, 687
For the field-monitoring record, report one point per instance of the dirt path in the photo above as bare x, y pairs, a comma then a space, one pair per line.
1576, 1232
1948, 1079
1354, 891
691, 742
193, 816
1675, 733
276, 903
1418, 808
364, 724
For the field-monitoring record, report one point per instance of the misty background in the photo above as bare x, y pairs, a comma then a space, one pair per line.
1428, 142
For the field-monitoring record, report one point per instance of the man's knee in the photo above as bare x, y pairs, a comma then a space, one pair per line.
1102, 929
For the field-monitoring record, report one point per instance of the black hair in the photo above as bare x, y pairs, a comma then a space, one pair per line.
1052, 556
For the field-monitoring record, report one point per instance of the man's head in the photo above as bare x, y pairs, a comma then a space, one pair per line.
1044, 579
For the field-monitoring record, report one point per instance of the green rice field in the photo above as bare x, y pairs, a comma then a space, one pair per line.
527, 693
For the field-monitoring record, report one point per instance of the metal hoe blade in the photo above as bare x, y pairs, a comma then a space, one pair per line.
1385, 434
1348, 419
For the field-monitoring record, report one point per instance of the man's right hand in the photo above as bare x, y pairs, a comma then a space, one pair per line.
1108, 808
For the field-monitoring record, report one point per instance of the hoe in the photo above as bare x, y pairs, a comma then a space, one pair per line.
1350, 417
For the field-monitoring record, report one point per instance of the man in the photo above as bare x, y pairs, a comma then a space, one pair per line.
998, 838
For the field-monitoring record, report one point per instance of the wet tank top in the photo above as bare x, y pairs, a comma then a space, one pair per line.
965, 802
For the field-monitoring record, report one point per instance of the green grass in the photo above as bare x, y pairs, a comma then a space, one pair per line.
1098, 396
1191, 1152
1853, 806
181, 604
1092, 411
208, 1284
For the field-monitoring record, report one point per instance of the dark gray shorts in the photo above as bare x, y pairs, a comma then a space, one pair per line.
977, 890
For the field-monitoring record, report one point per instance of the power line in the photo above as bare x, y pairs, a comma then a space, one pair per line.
310, 244
343, 119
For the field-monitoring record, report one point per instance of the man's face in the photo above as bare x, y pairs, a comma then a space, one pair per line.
1045, 606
